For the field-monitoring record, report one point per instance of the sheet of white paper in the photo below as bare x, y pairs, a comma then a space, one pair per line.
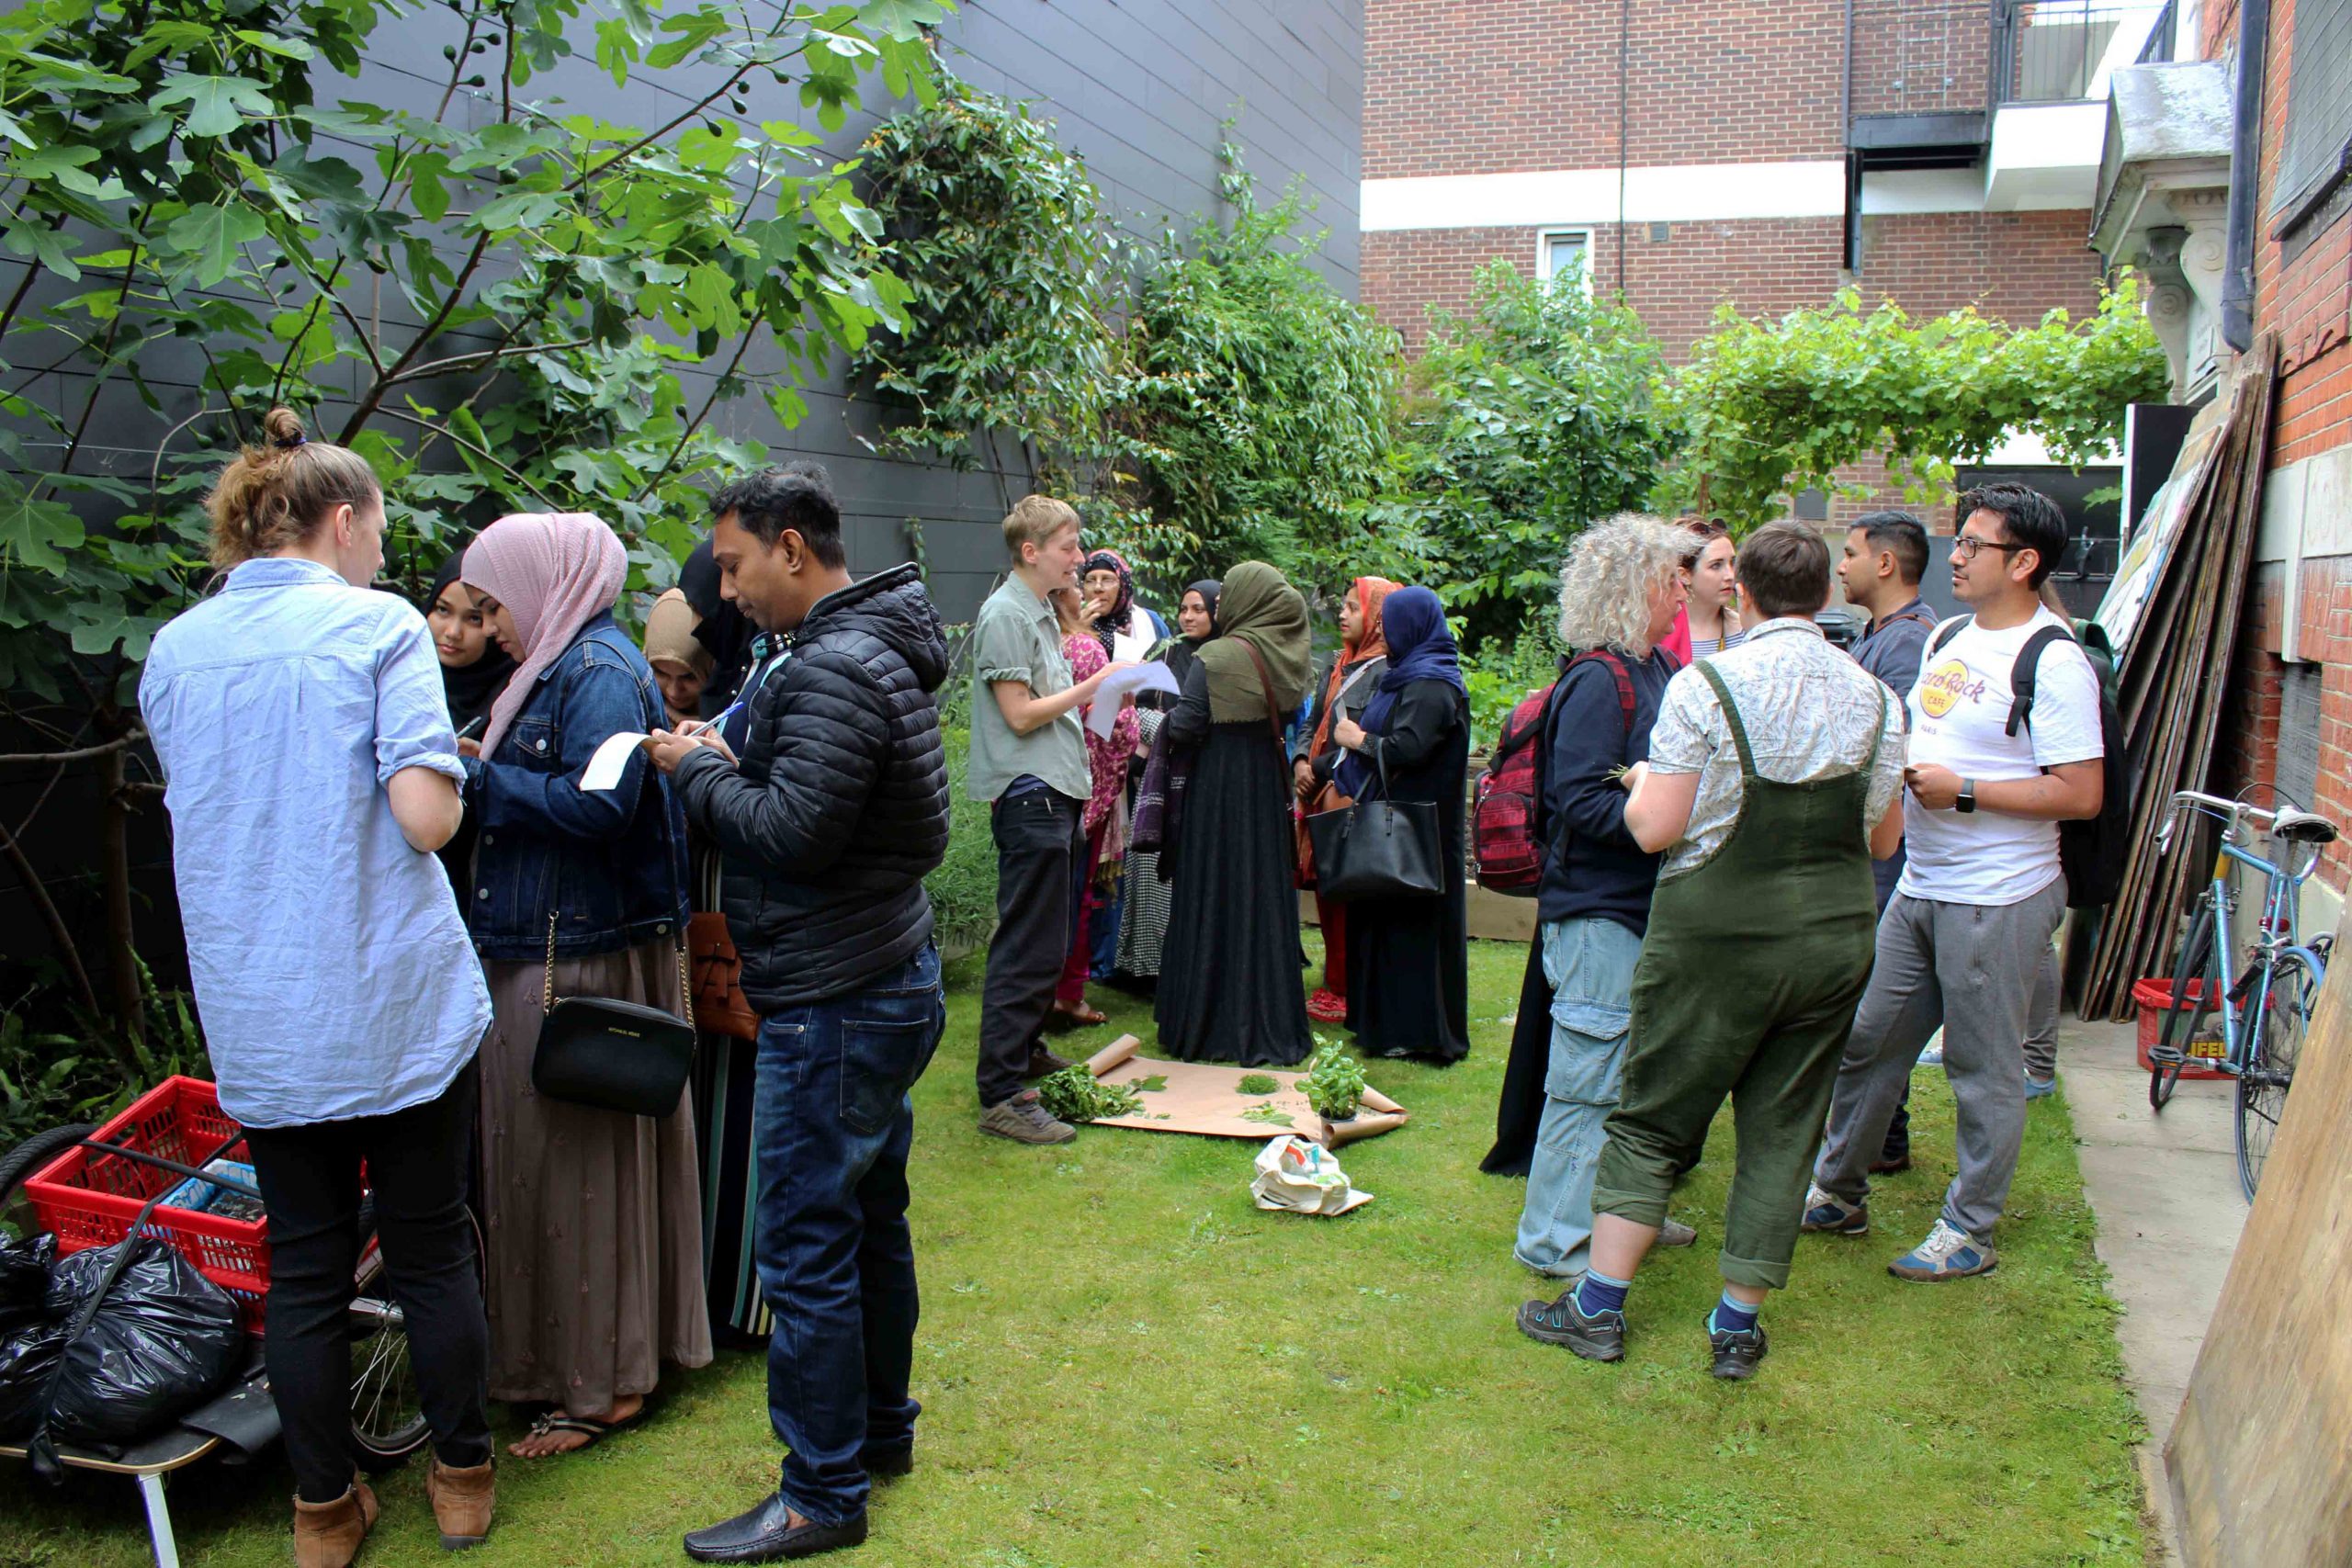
1154, 677
605, 767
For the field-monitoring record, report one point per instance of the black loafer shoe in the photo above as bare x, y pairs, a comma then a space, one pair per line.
1600, 1337
768, 1534
1736, 1353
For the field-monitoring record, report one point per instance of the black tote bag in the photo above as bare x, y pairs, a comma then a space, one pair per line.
1378, 848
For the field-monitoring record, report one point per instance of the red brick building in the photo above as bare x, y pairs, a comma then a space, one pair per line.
1685, 152
2292, 727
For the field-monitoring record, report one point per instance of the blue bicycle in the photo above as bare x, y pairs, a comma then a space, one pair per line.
2265, 1009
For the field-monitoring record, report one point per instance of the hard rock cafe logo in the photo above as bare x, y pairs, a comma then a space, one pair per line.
1941, 689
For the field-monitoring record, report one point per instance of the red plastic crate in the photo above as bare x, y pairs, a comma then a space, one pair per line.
91, 1199
2154, 996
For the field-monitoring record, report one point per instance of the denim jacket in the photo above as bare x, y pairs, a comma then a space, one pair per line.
610, 865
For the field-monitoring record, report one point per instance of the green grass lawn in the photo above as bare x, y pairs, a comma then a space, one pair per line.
1124, 1362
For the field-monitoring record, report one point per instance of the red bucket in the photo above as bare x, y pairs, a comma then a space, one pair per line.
2154, 997
91, 1199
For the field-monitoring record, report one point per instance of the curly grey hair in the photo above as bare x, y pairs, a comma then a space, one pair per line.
1605, 584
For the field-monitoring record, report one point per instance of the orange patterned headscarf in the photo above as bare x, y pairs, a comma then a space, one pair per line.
1370, 593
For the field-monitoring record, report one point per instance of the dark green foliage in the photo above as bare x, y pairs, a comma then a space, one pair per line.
1074, 1094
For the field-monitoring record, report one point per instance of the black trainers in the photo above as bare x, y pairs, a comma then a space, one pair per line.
1737, 1351
1600, 1337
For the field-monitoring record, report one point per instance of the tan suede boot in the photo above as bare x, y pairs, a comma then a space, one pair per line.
461, 1501
327, 1535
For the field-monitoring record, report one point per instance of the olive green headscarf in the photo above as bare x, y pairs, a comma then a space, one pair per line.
1258, 608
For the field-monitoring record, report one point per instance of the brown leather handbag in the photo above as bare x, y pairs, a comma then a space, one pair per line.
720, 1006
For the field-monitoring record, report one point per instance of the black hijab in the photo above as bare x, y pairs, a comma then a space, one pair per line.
725, 630
1180, 652
469, 688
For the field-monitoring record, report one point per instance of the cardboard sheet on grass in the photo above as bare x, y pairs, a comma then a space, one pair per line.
1206, 1098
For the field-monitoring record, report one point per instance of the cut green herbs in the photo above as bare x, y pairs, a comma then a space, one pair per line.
1074, 1094
1152, 1085
1267, 1116
1258, 1083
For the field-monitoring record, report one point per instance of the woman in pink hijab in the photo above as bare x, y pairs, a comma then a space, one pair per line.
594, 1217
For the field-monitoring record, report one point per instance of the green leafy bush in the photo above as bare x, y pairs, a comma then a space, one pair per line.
1334, 1082
1074, 1094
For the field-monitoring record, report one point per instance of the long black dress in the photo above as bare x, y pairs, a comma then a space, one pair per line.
1229, 986
1408, 959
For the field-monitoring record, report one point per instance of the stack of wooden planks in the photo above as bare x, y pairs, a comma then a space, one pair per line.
2173, 681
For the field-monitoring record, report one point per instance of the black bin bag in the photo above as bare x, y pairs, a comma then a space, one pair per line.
145, 1339
24, 1281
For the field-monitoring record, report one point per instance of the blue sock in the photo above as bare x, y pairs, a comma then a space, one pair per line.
1600, 1293
1732, 1317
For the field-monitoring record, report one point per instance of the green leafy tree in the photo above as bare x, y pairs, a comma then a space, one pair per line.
494, 305
1767, 408
1529, 417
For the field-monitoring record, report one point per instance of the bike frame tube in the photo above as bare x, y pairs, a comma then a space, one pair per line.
2240, 1028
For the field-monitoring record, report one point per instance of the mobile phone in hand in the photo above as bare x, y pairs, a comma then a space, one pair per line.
475, 730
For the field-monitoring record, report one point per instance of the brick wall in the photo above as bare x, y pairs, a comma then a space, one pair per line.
2308, 297
2247, 755
1500, 86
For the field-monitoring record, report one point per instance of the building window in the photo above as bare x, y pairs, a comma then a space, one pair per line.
2319, 109
1564, 254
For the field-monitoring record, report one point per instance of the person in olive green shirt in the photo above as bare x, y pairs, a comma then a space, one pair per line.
1028, 762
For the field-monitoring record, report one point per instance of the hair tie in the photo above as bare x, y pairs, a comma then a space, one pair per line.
287, 443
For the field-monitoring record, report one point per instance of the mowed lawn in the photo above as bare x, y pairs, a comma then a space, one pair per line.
1124, 1362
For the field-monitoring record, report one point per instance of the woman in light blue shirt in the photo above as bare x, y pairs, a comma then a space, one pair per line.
311, 770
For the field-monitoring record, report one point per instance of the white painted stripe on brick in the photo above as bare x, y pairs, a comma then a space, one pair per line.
1685, 193
1922, 190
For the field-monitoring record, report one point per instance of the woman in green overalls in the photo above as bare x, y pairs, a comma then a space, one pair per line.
1772, 780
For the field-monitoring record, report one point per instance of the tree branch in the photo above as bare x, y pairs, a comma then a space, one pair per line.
373, 401
486, 357
482, 452
124, 741
59, 934
718, 389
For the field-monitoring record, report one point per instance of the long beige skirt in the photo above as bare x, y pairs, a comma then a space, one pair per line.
593, 1218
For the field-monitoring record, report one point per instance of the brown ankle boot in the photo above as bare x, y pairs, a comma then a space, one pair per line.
327, 1535
461, 1501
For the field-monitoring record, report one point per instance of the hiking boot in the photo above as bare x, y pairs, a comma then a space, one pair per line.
1834, 1215
1600, 1337
1042, 1061
327, 1535
1948, 1254
1025, 1121
461, 1501
1736, 1351
1674, 1233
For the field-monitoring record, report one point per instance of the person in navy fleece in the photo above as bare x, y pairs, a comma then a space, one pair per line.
1623, 582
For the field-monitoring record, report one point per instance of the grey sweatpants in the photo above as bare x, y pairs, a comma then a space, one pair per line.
1972, 969
2041, 1021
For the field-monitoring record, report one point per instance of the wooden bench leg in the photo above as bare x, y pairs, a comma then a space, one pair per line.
159, 1521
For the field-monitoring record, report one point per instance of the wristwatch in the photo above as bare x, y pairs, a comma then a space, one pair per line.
1967, 800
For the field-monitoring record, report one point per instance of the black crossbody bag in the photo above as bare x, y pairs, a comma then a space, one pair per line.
612, 1055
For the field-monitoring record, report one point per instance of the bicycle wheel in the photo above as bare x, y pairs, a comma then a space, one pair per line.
2196, 988
20, 1165
2270, 1065
387, 1411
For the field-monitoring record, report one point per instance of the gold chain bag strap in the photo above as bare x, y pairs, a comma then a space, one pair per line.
612, 1054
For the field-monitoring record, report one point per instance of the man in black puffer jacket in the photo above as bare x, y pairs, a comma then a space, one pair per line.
826, 824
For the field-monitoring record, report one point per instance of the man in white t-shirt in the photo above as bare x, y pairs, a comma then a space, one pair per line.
1982, 895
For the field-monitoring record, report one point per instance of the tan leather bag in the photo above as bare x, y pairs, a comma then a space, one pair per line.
720, 1006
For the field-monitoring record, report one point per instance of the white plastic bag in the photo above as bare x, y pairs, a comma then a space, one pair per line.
1304, 1178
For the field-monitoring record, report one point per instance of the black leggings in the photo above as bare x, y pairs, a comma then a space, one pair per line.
416, 1160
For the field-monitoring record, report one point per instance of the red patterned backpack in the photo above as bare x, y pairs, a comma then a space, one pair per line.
1507, 844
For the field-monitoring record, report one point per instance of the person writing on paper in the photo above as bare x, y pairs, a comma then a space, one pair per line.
1104, 819
837, 811
595, 1216
299, 717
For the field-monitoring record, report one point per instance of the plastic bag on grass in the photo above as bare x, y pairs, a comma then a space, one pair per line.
1304, 1178
24, 1281
164, 1340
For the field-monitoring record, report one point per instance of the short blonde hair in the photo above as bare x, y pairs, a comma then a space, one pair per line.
1036, 519
1605, 586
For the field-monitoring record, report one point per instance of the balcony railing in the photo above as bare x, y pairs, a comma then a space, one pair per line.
1946, 58
2060, 51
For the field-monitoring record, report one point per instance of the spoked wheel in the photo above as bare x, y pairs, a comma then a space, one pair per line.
2196, 990
386, 1412
19, 1164
2271, 1066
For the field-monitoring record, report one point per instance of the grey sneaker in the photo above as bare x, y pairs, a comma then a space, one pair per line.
1674, 1233
1025, 1121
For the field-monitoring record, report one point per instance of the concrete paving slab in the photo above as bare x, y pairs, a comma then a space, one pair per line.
2164, 1190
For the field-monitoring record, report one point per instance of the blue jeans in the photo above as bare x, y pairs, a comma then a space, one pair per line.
832, 1127
1589, 963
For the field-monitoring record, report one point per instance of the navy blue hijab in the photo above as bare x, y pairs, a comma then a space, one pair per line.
1421, 648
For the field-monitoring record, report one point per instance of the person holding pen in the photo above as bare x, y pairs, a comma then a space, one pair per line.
1028, 762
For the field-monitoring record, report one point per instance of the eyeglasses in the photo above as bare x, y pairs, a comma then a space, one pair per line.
1968, 544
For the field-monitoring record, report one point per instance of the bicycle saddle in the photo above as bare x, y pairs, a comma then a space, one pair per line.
2304, 828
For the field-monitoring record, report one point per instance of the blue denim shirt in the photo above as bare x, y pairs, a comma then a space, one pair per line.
610, 865
332, 971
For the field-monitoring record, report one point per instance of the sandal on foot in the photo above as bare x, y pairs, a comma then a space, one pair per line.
588, 1426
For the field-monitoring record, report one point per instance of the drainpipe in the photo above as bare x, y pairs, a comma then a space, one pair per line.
2245, 173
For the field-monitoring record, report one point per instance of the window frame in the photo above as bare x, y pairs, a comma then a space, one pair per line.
2301, 211
1543, 239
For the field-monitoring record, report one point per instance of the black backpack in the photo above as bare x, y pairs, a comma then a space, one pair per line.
2091, 852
